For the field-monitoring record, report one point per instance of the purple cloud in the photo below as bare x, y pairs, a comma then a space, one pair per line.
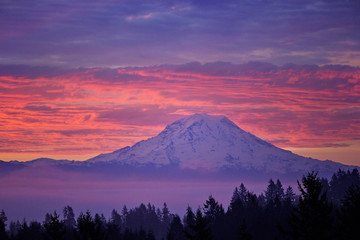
122, 33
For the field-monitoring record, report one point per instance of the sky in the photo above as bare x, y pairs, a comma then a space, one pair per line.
80, 78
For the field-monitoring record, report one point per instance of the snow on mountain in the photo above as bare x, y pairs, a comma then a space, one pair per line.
209, 142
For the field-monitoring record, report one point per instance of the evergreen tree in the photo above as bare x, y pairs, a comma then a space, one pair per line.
214, 214
235, 198
270, 194
150, 236
54, 227
3, 220
114, 225
176, 230
165, 218
69, 217
14, 229
35, 231
124, 217
243, 232
200, 230
69, 221
212, 210
289, 197
85, 226
243, 193
189, 221
262, 200
23, 230
279, 193
340, 183
350, 213
100, 223
312, 217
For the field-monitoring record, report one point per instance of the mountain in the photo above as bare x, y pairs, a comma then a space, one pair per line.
212, 143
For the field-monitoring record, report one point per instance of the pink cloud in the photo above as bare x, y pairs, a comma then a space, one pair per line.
106, 109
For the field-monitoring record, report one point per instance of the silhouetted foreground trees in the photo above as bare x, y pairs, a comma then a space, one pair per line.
323, 210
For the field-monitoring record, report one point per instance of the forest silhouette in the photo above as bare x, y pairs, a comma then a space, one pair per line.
324, 209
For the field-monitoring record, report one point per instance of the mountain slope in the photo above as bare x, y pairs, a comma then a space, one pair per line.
209, 142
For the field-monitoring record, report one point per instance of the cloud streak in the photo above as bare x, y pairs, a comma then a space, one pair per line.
89, 111
140, 33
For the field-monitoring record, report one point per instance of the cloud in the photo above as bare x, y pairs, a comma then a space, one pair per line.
94, 110
146, 33
139, 115
39, 108
145, 16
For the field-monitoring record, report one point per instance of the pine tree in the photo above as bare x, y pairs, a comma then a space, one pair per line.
243, 193
124, 216
99, 224
116, 219
350, 212
54, 227
340, 183
176, 230
212, 210
289, 198
3, 220
243, 232
85, 226
279, 193
114, 225
200, 230
69, 217
165, 217
69, 221
35, 231
14, 229
235, 198
312, 218
189, 221
270, 194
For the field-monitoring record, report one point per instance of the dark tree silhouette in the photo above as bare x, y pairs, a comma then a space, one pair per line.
69, 217
189, 221
85, 226
270, 194
274, 194
213, 210
290, 197
69, 221
54, 227
312, 218
243, 232
114, 225
215, 215
100, 227
3, 220
340, 183
350, 213
200, 230
23, 230
166, 219
271, 216
35, 231
176, 230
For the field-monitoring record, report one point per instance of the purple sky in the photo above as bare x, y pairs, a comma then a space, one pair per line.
122, 33
66, 90
80, 78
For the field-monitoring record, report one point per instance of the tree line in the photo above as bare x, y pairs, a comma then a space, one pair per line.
323, 210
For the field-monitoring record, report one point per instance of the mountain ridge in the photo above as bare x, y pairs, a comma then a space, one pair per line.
202, 141
190, 145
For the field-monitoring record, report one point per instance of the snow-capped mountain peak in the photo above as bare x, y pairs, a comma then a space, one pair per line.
202, 141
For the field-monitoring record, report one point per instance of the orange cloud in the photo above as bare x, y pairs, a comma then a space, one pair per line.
99, 110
